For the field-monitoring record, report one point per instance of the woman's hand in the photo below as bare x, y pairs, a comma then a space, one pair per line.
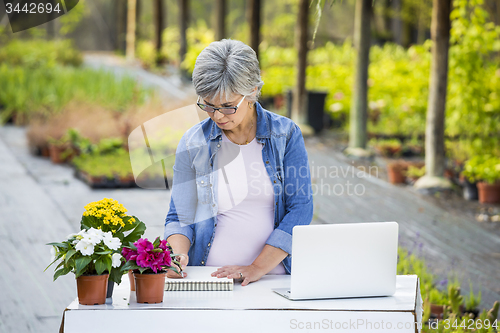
249, 273
183, 260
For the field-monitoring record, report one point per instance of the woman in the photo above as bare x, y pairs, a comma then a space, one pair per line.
241, 177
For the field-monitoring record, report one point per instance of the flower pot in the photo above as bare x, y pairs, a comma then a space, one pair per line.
132, 280
470, 190
92, 289
149, 288
396, 172
489, 193
60, 153
44, 151
437, 311
111, 286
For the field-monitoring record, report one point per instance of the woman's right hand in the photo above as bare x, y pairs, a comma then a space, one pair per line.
183, 260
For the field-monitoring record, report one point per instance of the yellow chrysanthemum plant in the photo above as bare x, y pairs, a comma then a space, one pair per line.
110, 216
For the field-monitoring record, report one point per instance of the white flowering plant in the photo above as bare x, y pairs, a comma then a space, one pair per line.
89, 252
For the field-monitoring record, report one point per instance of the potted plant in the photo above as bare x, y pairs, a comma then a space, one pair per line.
472, 302
414, 172
396, 171
91, 255
387, 147
149, 262
485, 170
108, 215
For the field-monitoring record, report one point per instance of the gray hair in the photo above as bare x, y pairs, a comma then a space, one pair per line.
227, 67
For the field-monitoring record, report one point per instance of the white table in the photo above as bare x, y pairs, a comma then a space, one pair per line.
253, 308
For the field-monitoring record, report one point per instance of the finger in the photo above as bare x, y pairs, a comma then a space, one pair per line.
222, 274
174, 275
218, 271
245, 281
236, 276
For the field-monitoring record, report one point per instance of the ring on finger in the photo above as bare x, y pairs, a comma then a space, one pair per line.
241, 275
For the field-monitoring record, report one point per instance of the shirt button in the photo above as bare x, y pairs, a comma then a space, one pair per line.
213, 205
203, 262
267, 162
276, 204
210, 185
275, 182
208, 244
201, 182
218, 145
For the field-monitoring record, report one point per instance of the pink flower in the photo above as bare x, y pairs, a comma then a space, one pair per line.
129, 254
143, 245
163, 245
148, 256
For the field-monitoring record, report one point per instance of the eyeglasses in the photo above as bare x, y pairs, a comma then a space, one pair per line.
223, 110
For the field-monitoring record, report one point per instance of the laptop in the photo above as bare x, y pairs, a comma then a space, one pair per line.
343, 260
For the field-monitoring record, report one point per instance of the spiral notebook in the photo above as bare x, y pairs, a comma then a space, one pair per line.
199, 279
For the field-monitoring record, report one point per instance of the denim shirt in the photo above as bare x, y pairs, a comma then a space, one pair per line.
193, 203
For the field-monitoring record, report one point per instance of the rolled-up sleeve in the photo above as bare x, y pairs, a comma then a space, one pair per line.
297, 192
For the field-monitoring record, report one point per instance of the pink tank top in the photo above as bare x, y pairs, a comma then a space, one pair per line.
245, 217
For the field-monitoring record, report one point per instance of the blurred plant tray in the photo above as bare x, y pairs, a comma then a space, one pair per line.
105, 182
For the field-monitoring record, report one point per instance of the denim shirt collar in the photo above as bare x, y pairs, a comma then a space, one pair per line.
263, 130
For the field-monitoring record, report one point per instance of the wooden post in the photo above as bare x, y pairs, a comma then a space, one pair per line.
299, 112
184, 22
255, 25
220, 31
359, 103
434, 130
159, 25
131, 17
121, 25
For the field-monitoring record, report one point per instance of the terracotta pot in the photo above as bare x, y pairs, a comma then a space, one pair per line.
92, 289
396, 172
438, 310
56, 154
489, 193
132, 280
44, 151
149, 288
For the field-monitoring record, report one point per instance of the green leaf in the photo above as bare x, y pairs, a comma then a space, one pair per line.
87, 222
129, 226
116, 275
108, 262
63, 245
103, 252
62, 271
51, 263
81, 263
129, 265
69, 254
156, 243
136, 233
100, 265
175, 270
132, 246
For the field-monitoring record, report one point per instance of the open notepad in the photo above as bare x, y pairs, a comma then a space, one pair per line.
199, 279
